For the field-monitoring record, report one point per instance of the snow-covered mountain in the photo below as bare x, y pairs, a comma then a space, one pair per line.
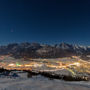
36, 50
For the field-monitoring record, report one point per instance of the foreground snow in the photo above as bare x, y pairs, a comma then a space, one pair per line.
39, 83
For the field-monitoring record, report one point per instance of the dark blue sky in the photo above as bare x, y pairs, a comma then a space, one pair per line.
45, 21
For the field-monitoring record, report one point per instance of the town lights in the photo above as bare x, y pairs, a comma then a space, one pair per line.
11, 65
77, 64
27, 65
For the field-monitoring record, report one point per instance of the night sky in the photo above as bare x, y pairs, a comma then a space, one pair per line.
45, 21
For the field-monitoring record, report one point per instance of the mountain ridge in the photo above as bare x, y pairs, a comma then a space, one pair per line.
37, 50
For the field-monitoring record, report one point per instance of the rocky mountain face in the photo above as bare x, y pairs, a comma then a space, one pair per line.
36, 50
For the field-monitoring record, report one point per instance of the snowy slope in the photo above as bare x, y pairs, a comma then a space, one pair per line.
40, 83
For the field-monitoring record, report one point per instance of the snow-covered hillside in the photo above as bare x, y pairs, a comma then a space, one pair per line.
39, 83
